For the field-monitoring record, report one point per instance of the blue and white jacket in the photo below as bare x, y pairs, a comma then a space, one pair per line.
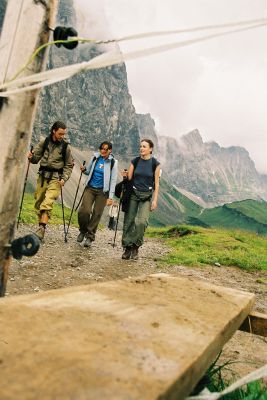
110, 177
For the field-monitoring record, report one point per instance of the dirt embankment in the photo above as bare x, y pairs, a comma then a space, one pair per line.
59, 264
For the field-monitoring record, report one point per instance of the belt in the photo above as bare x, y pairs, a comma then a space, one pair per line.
49, 169
96, 188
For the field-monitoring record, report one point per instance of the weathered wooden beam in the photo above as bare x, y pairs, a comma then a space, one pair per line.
25, 28
255, 323
150, 337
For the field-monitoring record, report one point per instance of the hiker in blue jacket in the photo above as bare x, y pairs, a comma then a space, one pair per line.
144, 173
102, 173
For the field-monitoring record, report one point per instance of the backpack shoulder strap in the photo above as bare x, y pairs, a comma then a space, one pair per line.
136, 161
45, 145
92, 162
112, 162
64, 150
154, 164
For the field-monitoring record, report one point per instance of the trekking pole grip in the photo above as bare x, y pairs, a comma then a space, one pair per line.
83, 164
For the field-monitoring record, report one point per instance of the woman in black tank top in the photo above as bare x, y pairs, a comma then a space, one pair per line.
144, 174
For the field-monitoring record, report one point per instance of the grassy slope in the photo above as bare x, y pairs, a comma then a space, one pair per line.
247, 214
252, 208
206, 246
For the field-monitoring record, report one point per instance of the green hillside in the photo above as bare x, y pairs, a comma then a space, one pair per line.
173, 207
252, 208
248, 215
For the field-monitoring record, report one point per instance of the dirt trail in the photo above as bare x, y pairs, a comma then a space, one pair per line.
59, 264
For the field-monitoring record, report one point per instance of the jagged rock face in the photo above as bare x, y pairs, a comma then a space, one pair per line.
146, 126
264, 179
217, 174
66, 14
96, 105
3, 4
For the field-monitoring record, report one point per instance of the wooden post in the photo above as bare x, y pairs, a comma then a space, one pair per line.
25, 28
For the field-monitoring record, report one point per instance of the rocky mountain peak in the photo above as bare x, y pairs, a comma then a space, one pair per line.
217, 174
147, 130
193, 139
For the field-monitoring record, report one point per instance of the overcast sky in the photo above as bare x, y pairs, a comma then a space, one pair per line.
217, 86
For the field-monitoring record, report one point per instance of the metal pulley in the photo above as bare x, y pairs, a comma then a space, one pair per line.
25, 246
65, 33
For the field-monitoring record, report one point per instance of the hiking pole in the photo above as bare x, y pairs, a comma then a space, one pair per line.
63, 214
76, 208
118, 216
74, 201
116, 229
25, 182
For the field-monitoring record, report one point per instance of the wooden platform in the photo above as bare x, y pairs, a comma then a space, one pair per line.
135, 339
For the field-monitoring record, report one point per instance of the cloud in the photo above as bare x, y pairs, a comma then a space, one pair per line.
218, 86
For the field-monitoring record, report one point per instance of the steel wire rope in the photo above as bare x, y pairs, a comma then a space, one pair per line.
184, 43
136, 36
106, 59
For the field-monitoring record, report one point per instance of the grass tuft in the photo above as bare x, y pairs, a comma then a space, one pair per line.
214, 380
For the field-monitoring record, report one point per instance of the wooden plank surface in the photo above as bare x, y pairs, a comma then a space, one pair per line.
141, 338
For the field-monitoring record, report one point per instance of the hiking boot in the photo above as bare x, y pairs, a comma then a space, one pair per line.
134, 254
40, 232
127, 253
80, 237
88, 243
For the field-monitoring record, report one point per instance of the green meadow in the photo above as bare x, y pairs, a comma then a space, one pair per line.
198, 246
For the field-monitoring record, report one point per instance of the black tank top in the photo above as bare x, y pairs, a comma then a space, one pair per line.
143, 178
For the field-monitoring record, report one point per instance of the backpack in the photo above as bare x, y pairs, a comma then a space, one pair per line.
64, 148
